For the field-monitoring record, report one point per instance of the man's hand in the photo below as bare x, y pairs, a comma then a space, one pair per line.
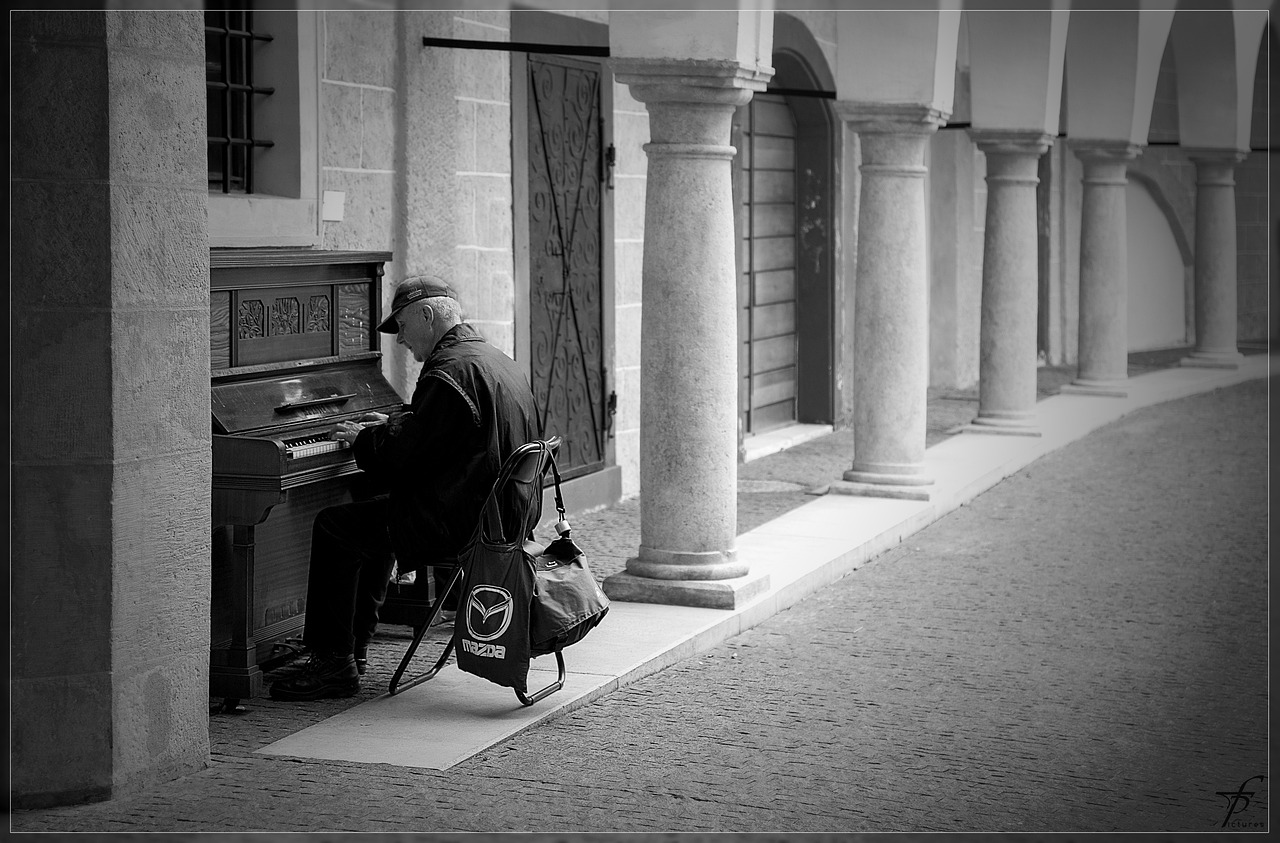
346, 431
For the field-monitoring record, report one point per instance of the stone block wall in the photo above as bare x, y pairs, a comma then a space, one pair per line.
418, 139
630, 133
485, 261
360, 107
1253, 232
110, 547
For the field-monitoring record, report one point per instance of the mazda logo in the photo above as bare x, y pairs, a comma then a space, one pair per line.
489, 611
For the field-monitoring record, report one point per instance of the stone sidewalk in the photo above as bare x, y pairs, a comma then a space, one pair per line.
1081, 648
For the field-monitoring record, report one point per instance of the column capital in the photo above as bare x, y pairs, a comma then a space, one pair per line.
1208, 155
1106, 150
891, 117
1012, 141
710, 81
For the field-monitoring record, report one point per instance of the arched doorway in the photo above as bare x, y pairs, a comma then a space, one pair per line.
785, 183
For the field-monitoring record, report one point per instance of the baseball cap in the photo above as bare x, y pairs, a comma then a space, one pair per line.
410, 290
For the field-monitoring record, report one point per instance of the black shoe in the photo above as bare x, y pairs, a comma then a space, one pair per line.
362, 658
321, 677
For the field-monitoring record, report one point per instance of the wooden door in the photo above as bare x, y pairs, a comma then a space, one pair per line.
767, 285
565, 268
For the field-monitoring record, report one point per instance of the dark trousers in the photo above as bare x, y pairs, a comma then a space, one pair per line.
351, 562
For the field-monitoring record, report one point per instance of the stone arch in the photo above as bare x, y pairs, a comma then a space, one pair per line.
1113, 68
1161, 199
1216, 54
1015, 70
792, 37
1160, 274
1266, 120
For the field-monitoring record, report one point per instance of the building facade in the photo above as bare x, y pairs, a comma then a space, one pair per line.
691, 228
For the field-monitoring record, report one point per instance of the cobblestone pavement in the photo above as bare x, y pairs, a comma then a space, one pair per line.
1082, 648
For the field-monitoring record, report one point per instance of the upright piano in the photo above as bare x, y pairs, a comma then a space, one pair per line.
294, 350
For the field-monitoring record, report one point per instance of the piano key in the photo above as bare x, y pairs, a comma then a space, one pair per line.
312, 448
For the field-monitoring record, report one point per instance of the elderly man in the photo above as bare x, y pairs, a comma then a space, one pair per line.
438, 458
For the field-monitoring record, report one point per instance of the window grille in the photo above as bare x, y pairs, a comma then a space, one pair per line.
229, 41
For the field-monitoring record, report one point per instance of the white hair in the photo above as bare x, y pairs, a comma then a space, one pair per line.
446, 309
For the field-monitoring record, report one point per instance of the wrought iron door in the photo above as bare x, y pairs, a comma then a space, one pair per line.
565, 312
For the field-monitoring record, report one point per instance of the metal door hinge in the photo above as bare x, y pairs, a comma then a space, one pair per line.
610, 160
611, 409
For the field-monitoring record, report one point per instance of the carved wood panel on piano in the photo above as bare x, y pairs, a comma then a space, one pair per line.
287, 366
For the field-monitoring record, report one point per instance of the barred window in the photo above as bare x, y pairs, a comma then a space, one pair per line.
230, 42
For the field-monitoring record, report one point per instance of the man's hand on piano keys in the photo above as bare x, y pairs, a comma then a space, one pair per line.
346, 431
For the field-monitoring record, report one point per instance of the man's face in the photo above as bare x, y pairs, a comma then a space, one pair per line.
416, 332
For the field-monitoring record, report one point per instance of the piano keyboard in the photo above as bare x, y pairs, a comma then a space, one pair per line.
309, 446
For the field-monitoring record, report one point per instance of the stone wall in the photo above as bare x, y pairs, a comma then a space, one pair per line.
418, 140
1253, 227
630, 133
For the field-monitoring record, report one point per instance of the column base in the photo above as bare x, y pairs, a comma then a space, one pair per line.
1212, 360
658, 564
1088, 386
705, 594
881, 490
904, 474
1001, 427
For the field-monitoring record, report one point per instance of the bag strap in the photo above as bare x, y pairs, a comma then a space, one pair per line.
562, 526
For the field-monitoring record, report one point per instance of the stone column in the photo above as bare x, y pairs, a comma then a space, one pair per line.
689, 340
1215, 280
1103, 367
1007, 338
891, 307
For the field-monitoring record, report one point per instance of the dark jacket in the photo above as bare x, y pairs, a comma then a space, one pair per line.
471, 408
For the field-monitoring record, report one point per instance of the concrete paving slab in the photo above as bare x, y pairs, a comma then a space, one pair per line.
634, 633
846, 518
453, 716
434, 725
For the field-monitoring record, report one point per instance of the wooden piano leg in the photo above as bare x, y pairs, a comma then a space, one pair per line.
233, 672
